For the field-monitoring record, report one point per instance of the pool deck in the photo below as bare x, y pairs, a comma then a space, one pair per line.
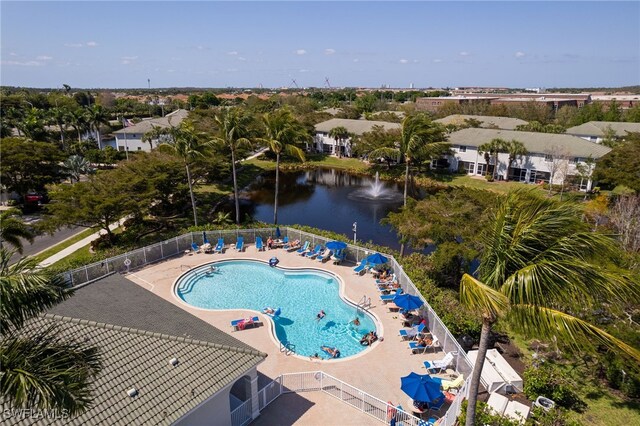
376, 370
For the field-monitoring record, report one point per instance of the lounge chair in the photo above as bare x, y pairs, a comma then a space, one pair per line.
363, 266
338, 256
195, 248
259, 245
313, 253
453, 384
304, 249
239, 244
384, 298
324, 256
411, 333
437, 404
439, 365
242, 323
219, 246
416, 348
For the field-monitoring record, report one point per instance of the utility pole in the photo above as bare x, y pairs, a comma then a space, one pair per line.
355, 229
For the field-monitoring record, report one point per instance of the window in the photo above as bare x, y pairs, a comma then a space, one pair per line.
462, 148
139, 149
573, 160
548, 158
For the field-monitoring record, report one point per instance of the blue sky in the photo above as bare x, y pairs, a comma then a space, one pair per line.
366, 44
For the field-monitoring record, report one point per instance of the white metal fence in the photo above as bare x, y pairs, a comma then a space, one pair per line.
172, 247
241, 416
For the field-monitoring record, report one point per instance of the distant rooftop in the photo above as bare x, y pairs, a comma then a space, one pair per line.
598, 128
506, 123
357, 127
172, 119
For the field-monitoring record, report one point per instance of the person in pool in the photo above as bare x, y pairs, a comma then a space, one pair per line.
356, 322
320, 315
269, 310
334, 352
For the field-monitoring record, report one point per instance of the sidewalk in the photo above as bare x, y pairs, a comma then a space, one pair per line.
76, 246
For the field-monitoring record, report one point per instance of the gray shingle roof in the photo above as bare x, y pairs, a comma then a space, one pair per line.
539, 143
357, 127
597, 128
172, 119
140, 359
506, 123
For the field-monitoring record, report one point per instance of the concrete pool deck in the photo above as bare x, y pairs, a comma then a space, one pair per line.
376, 370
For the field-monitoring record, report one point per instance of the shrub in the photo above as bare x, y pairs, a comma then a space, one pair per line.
543, 381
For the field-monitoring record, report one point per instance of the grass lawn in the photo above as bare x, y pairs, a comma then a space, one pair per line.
606, 409
63, 245
317, 160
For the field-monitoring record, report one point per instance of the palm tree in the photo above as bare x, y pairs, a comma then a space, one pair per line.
540, 256
78, 121
60, 116
12, 228
156, 133
516, 150
76, 166
188, 147
492, 149
40, 369
231, 134
282, 133
339, 133
95, 117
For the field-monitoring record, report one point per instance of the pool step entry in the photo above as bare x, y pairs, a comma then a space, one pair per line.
287, 348
363, 304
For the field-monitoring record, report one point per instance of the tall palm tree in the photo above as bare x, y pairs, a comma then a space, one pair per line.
539, 258
40, 369
78, 121
60, 116
491, 150
185, 142
416, 132
12, 228
339, 134
516, 150
232, 132
282, 133
95, 117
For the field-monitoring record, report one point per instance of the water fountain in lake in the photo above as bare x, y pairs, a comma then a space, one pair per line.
377, 191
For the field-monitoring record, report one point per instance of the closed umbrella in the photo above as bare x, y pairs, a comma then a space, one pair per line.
278, 234
336, 245
376, 259
204, 238
421, 387
408, 302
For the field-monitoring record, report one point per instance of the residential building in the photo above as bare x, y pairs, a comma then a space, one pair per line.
551, 157
595, 131
434, 104
623, 101
553, 100
487, 122
130, 138
322, 142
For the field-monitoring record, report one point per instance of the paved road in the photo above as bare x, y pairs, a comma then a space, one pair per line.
43, 242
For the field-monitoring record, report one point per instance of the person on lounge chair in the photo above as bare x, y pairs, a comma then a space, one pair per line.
244, 323
334, 352
425, 341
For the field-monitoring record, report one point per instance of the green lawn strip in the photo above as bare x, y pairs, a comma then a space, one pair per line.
63, 245
607, 409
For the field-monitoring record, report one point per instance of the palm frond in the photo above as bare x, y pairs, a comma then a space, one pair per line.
577, 334
385, 153
43, 371
478, 296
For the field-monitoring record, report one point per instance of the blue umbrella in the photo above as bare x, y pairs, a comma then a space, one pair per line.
422, 388
336, 245
407, 301
204, 238
278, 234
376, 259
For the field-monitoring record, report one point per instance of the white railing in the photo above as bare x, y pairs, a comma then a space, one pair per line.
241, 416
178, 245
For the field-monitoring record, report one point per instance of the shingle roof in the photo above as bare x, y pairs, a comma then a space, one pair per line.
357, 127
597, 128
506, 123
172, 119
140, 359
539, 143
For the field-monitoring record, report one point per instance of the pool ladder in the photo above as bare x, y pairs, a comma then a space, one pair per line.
364, 303
287, 348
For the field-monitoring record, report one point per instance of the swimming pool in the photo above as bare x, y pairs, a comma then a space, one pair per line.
299, 293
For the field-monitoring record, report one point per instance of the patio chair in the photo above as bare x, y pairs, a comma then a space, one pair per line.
324, 256
304, 249
239, 244
412, 333
315, 252
259, 244
437, 404
285, 243
219, 246
338, 256
363, 266
195, 248
384, 298
242, 323
439, 365
453, 384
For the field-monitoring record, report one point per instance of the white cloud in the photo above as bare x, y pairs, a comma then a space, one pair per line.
13, 54
356, 60
232, 69
241, 58
128, 59
91, 44
519, 54
44, 58
232, 53
329, 51
437, 61
300, 52
404, 61
415, 61
171, 70
303, 70
73, 44
465, 53
23, 64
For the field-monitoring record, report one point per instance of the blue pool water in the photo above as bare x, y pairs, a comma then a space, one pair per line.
301, 294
